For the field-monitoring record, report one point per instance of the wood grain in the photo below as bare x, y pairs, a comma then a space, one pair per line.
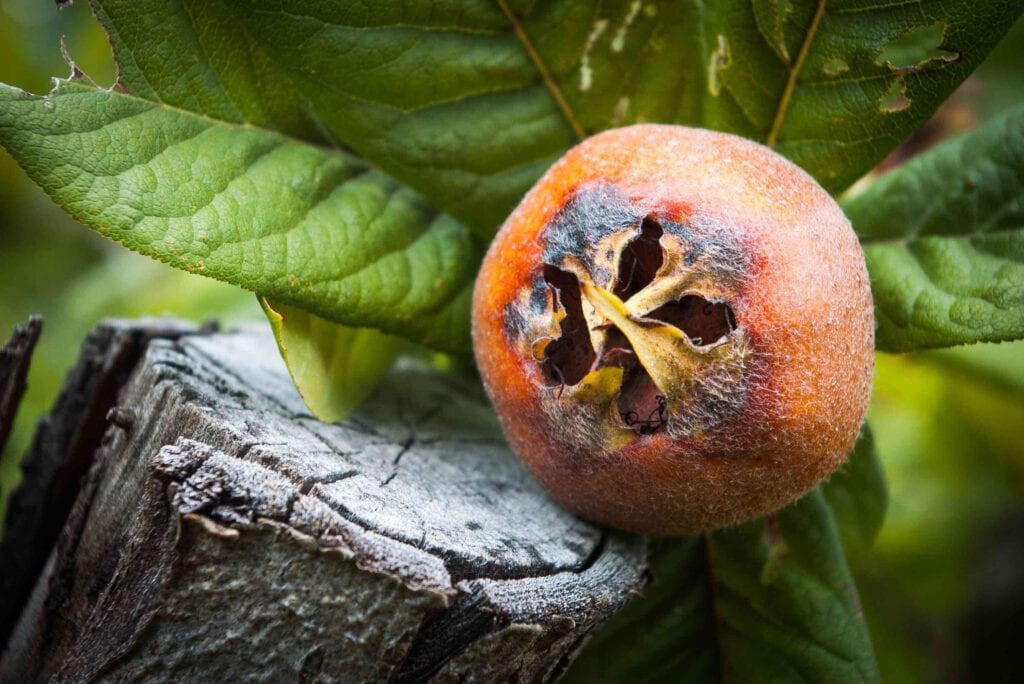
223, 533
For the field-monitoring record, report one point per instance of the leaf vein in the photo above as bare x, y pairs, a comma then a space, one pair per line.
793, 73
549, 80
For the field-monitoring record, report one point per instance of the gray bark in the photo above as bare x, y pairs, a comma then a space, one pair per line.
15, 355
222, 533
61, 452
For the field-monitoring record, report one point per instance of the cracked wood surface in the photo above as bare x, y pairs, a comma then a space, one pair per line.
223, 533
61, 452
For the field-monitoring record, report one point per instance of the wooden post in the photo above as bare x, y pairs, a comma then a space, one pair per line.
220, 533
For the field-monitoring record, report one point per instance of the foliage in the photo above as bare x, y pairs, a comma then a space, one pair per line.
353, 164
335, 368
248, 206
50, 265
466, 103
944, 240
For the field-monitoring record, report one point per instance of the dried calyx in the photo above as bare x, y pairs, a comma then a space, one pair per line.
656, 350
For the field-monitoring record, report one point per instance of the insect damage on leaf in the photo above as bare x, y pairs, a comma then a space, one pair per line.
620, 111
780, 13
917, 48
721, 59
910, 52
835, 67
586, 72
619, 41
895, 98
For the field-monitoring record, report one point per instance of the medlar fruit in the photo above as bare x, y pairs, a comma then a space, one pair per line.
676, 329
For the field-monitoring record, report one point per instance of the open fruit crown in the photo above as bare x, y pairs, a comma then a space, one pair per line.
676, 329
631, 309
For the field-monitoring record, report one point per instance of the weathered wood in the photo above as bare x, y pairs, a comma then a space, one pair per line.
15, 356
61, 452
222, 534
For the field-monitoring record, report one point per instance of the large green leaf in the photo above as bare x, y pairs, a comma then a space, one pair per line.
334, 367
469, 101
771, 600
193, 56
310, 226
944, 238
834, 85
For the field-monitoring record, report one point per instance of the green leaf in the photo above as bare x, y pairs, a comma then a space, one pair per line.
469, 102
440, 94
465, 102
944, 239
770, 600
194, 56
309, 226
859, 496
835, 86
334, 367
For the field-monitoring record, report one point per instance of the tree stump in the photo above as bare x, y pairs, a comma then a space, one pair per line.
14, 360
221, 533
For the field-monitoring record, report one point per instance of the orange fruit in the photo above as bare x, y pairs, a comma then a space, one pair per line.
676, 329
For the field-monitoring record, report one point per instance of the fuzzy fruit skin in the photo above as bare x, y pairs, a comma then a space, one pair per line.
804, 316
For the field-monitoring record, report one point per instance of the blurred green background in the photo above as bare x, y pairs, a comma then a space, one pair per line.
943, 588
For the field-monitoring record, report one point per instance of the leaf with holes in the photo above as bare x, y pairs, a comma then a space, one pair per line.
466, 103
469, 102
310, 226
944, 239
835, 86
769, 600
